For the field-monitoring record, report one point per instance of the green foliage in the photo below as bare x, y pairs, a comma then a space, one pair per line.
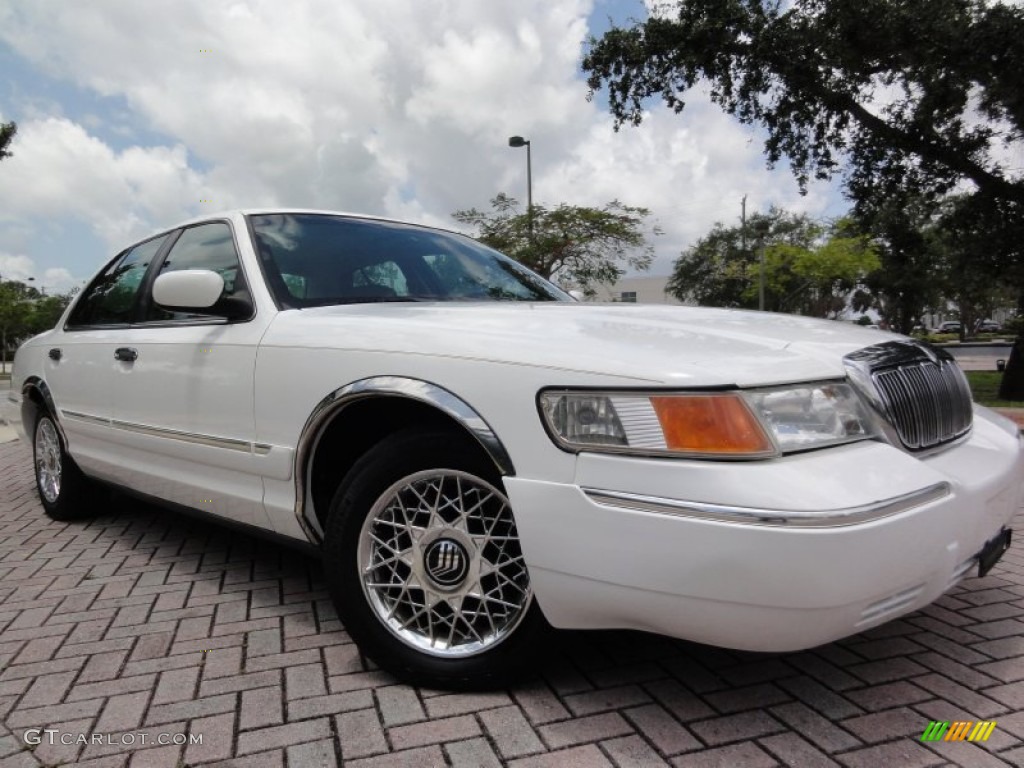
911, 94
908, 99
960, 250
972, 252
7, 132
810, 268
985, 388
910, 280
24, 312
572, 245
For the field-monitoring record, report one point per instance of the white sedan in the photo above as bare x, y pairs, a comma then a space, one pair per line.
475, 455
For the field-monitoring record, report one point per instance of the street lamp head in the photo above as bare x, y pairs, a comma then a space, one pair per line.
517, 141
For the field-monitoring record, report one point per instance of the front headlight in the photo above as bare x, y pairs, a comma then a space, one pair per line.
812, 415
730, 425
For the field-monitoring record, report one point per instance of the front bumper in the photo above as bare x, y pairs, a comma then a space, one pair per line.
639, 543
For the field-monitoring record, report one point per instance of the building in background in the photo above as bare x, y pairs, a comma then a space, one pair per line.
637, 290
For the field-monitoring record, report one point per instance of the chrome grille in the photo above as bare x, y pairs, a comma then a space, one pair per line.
920, 391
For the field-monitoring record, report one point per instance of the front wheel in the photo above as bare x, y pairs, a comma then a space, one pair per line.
423, 560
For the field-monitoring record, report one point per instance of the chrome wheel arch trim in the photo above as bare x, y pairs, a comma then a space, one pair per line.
418, 390
40, 386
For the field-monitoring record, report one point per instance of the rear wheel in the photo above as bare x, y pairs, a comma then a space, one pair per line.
423, 560
63, 489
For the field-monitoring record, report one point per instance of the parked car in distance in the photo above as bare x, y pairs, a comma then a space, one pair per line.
989, 326
476, 456
949, 326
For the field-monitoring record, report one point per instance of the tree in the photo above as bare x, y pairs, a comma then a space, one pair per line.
24, 312
976, 275
909, 93
810, 268
15, 315
905, 97
7, 132
910, 279
573, 245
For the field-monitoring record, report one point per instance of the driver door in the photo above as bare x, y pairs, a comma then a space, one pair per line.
183, 405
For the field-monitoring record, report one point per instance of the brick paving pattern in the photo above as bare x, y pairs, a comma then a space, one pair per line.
141, 623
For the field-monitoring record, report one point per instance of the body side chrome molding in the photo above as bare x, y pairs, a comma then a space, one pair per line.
77, 416
383, 386
784, 518
197, 438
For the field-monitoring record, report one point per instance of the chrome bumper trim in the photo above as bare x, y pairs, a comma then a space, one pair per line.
826, 518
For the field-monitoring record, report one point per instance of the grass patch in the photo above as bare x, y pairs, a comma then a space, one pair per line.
985, 386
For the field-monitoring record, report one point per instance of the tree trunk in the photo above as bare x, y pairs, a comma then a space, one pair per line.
1012, 385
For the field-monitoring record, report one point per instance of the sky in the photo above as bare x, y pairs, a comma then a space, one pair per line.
133, 116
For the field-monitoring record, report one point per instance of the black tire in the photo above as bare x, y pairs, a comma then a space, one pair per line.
72, 496
402, 465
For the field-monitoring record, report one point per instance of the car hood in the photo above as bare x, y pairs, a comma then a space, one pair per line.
664, 345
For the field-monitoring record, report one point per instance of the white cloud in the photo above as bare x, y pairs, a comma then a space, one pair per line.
16, 267
58, 169
23, 269
389, 107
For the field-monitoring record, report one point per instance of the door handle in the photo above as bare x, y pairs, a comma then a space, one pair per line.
126, 354
55, 353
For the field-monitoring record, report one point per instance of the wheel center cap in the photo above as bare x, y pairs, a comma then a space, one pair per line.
446, 562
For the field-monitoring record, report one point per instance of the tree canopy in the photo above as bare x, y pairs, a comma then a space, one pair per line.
810, 268
907, 93
26, 311
904, 98
576, 246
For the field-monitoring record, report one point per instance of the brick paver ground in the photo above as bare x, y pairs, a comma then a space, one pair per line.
141, 624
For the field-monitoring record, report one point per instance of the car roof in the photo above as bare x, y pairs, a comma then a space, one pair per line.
232, 212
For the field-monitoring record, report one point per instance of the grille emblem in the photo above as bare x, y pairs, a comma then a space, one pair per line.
446, 562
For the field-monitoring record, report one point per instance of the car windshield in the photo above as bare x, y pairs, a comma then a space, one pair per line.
316, 259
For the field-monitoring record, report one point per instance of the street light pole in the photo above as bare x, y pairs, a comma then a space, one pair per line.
762, 227
519, 141
760, 288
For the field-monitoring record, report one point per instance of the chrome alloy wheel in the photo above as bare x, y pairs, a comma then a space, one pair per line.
48, 466
440, 563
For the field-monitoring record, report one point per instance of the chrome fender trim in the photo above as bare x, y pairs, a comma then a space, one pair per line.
383, 386
784, 518
34, 382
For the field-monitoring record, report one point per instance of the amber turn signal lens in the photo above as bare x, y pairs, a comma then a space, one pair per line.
716, 424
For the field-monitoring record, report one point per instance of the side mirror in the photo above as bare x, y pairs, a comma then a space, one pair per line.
197, 290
